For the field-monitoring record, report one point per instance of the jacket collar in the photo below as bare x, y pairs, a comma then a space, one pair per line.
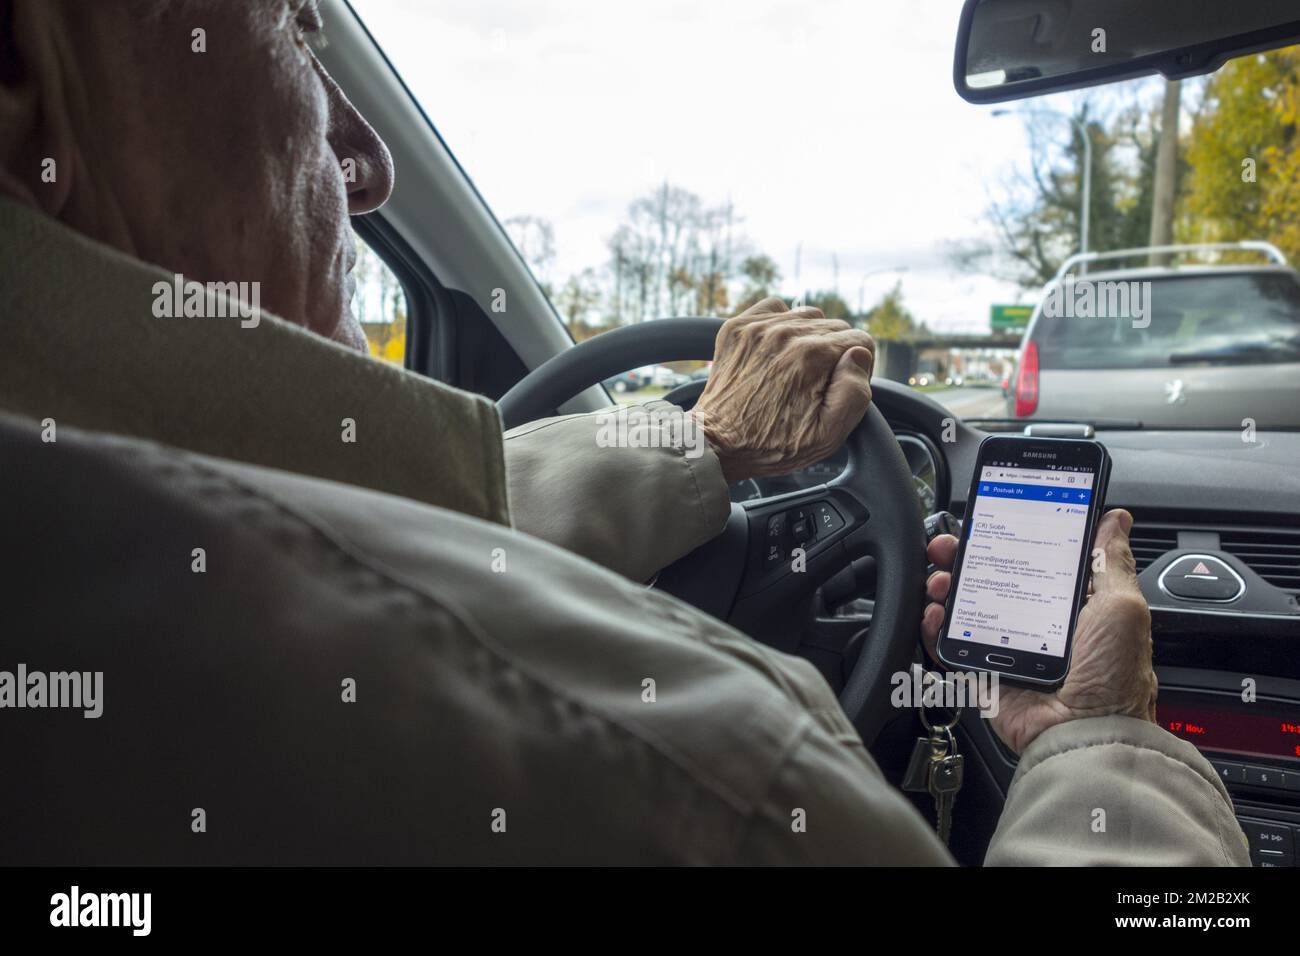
81, 342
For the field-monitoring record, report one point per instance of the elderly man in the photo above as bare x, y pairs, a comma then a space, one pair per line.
334, 616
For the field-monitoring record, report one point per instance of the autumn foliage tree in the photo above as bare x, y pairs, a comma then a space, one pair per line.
1282, 201
1244, 155
380, 304
890, 320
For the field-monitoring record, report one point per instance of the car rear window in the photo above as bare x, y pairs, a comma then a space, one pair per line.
1220, 319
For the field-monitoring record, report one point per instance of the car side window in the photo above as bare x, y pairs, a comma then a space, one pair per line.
380, 304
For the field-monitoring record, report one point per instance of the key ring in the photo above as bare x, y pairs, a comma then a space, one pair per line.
956, 711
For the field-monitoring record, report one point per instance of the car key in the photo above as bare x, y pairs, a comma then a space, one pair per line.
936, 768
945, 780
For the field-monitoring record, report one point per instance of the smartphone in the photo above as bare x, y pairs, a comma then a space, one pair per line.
1024, 557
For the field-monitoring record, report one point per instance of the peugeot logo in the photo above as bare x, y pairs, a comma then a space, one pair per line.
1174, 392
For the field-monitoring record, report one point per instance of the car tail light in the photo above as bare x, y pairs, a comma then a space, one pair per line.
1027, 382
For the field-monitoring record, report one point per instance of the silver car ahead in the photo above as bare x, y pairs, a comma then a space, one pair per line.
1206, 347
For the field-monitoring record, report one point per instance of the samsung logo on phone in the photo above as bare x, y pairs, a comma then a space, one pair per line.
1040, 454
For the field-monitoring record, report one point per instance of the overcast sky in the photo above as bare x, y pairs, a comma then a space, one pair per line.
832, 125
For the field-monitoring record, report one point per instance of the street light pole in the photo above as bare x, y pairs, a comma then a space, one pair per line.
1085, 211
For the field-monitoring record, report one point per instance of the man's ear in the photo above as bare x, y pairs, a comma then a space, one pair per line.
37, 146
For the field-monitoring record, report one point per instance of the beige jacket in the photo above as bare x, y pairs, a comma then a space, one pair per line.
371, 666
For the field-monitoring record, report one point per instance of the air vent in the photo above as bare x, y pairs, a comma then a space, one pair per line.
1273, 554
1151, 541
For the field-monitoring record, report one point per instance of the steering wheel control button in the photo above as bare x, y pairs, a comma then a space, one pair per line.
826, 518
773, 556
802, 528
1201, 577
942, 522
776, 545
1000, 660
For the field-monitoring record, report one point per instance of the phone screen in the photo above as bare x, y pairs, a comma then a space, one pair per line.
1022, 559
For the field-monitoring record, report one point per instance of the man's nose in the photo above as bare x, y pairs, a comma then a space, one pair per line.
367, 164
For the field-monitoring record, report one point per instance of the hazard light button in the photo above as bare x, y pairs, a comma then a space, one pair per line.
1202, 577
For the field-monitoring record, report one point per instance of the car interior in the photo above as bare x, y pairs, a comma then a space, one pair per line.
1193, 491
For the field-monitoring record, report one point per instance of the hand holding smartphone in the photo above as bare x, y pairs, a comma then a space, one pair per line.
1024, 558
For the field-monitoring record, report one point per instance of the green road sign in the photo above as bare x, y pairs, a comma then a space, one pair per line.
1010, 318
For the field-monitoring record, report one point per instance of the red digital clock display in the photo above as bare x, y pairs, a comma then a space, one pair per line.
1265, 734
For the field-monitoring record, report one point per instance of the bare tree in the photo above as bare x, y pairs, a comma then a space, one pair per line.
671, 254
577, 297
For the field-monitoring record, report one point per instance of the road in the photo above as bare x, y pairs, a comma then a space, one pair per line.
972, 402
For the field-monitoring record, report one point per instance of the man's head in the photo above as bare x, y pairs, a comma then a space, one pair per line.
199, 135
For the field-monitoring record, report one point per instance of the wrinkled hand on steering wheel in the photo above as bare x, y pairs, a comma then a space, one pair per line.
787, 387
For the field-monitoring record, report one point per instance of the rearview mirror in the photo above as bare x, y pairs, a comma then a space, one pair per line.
1010, 49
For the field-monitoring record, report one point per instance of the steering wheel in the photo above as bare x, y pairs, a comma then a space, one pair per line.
751, 575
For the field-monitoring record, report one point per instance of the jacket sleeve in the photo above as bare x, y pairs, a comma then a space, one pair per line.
632, 489
1116, 791
828, 804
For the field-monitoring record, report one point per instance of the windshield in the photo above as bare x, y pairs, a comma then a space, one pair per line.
668, 158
